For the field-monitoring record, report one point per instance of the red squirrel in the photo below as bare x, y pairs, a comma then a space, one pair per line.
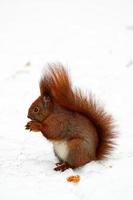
79, 128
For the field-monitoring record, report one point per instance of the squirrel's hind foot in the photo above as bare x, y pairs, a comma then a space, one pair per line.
62, 166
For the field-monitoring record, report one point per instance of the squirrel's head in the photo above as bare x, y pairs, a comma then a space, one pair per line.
40, 108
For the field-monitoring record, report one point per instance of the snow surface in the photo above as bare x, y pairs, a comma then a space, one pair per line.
94, 39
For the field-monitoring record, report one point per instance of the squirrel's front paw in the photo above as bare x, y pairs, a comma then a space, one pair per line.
27, 126
33, 126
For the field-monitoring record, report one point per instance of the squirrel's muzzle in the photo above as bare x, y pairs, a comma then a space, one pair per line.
29, 116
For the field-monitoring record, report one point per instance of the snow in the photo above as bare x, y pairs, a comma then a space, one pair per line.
94, 39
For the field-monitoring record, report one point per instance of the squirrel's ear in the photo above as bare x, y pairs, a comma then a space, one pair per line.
46, 100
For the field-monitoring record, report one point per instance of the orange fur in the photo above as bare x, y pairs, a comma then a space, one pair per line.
56, 83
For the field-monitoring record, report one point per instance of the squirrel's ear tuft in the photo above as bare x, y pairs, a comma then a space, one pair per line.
44, 87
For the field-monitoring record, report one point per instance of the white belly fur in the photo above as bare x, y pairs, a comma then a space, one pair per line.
61, 149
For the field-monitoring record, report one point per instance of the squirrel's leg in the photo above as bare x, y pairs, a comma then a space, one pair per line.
60, 161
79, 153
61, 165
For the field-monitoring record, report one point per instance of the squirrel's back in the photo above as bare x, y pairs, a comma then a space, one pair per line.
57, 85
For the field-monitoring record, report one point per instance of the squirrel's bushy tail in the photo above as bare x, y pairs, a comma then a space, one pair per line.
57, 84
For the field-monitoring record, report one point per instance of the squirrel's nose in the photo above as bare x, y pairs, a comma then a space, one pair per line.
28, 115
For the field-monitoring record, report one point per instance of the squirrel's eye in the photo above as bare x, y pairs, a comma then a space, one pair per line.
36, 109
